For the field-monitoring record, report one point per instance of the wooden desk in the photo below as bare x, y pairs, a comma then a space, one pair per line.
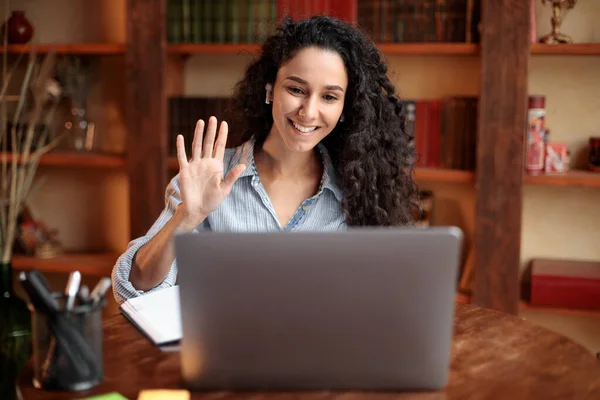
494, 356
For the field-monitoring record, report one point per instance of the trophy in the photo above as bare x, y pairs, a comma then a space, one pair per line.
557, 37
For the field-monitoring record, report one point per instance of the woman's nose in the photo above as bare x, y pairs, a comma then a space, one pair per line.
309, 110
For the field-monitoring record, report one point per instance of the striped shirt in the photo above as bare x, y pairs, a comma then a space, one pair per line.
246, 209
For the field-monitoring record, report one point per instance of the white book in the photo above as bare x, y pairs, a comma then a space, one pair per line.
157, 315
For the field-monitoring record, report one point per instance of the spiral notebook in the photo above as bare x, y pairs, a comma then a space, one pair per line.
157, 315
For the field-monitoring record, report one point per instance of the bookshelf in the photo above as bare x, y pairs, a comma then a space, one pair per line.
211, 48
98, 49
497, 184
450, 49
93, 264
503, 58
442, 175
75, 159
586, 179
571, 49
433, 49
420, 174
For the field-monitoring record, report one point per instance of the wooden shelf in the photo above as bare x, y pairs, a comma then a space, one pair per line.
212, 48
421, 174
433, 49
444, 175
70, 48
525, 306
387, 48
87, 160
576, 49
467, 49
572, 178
95, 264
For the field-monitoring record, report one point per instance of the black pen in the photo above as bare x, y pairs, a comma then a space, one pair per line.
69, 340
70, 293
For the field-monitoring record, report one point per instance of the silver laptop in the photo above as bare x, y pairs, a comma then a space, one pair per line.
362, 309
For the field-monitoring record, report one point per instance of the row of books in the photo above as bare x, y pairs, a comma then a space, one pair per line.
387, 21
232, 21
242, 21
397, 21
445, 131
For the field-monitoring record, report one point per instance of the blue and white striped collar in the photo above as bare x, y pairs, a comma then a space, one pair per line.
329, 180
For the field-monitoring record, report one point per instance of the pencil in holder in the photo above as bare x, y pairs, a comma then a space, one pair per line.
67, 346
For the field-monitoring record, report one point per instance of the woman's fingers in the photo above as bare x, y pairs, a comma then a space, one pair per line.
197, 143
181, 157
221, 141
209, 139
232, 176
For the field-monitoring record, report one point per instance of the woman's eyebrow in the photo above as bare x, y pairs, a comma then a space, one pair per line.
303, 82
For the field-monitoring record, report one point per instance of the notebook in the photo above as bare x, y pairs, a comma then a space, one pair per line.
157, 315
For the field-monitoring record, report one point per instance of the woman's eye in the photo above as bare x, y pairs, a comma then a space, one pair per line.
329, 97
295, 90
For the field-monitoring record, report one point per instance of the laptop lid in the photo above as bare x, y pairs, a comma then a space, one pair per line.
361, 309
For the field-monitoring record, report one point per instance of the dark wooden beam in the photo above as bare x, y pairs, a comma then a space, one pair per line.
146, 111
502, 127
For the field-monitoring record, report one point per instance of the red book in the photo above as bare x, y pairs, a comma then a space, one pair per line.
433, 134
344, 9
421, 128
565, 284
299, 9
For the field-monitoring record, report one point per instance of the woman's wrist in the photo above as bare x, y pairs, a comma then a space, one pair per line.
187, 222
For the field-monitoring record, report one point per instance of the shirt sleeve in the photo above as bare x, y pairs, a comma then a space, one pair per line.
122, 287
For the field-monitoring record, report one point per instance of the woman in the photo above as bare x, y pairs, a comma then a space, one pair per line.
324, 148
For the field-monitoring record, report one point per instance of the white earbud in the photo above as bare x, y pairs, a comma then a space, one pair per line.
269, 89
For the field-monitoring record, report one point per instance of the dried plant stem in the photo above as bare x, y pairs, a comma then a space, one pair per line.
39, 89
5, 80
18, 180
16, 173
35, 162
41, 149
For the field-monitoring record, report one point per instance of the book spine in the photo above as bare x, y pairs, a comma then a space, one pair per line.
207, 19
195, 21
174, 21
565, 292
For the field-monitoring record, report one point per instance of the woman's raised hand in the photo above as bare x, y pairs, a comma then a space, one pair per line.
202, 184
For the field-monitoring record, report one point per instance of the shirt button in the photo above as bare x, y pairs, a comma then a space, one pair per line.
305, 208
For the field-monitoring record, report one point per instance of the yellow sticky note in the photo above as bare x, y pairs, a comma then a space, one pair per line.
164, 394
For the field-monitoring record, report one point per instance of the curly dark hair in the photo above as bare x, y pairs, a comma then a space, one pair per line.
370, 149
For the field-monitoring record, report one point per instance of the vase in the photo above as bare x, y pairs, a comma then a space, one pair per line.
15, 334
20, 30
81, 130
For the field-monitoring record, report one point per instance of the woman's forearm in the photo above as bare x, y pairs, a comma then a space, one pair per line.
153, 260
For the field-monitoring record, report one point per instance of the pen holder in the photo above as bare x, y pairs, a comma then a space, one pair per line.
67, 347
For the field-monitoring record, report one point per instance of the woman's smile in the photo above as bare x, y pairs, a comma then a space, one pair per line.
302, 129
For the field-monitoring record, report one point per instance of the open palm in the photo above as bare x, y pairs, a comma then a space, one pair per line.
202, 184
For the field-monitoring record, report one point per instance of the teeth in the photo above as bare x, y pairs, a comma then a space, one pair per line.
303, 129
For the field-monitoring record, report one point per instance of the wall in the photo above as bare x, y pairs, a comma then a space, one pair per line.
565, 222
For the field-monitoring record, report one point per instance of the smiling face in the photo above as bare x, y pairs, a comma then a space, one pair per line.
308, 98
